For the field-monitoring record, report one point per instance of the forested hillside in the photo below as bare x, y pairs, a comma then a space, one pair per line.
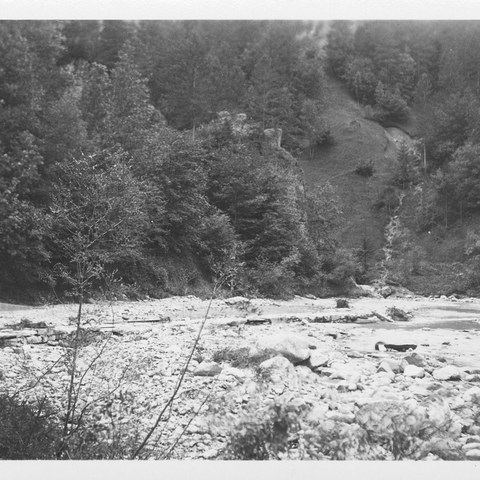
118, 174
160, 157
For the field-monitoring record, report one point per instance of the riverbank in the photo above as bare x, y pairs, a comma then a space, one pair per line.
333, 374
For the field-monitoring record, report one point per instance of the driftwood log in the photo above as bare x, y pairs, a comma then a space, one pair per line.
382, 317
405, 347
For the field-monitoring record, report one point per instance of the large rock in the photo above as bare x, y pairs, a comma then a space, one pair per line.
471, 394
278, 370
473, 454
385, 367
237, 301
386, 291
447, 373
415, 359
207, 369
236, 373
295, 348
317, 360
414, 371
305, 374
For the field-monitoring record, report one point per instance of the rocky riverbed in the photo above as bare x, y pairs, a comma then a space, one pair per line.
315, 359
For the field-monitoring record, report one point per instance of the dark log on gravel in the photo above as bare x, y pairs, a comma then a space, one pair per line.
258, 321
153, 320
382, 346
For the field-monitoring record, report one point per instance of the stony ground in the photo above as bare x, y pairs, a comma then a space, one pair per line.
324, 362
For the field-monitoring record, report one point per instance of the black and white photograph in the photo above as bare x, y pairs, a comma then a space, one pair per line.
240, 240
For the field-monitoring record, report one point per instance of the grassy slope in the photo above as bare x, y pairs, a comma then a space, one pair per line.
442, 267
355, 140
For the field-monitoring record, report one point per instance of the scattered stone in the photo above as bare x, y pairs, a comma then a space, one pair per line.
395, 365
419, 390
306, 374
473, 454
237, 301
342, 303
317, 413
471, 446
295, 348
278, 370
296, 404
233, 372
317, 360
343, 417
386, 291
471, 394
414, 371
207, 369
384, 378
385, 367
209, 454
447, 373
416, 359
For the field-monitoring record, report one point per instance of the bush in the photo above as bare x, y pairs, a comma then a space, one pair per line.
365, 169
262, 435
390, 104
382, 431
27, 432
387, 199
241, 358
340, 266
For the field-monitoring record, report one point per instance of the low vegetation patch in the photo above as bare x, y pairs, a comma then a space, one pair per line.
241, 357
389, 432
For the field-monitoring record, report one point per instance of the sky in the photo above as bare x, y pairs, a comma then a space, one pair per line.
240, 9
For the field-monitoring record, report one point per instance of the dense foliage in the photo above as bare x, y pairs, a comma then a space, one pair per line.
120, 164
116, 169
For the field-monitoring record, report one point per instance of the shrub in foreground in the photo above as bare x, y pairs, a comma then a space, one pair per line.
27, 432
